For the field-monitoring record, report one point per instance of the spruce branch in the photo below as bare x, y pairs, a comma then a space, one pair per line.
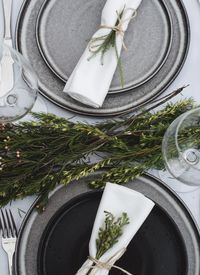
36, 156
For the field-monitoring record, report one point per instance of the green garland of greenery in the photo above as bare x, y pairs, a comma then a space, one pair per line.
37, 156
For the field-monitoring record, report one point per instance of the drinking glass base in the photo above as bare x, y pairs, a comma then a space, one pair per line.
175, 184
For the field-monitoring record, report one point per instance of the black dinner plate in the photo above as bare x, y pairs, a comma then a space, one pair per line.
156, 249
56, 241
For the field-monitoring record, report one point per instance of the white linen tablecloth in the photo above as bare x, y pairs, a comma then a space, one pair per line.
190, 74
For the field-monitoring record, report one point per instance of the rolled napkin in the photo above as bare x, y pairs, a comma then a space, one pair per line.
90, 81
116, 199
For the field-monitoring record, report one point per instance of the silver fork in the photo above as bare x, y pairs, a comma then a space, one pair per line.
9, 235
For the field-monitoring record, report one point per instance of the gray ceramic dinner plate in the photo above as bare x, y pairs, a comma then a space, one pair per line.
148, 48
158, 41
32, 231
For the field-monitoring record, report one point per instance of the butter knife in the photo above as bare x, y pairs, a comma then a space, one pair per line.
6, 63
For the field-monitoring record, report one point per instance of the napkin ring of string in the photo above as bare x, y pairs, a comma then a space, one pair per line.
96, 43
99, 265
118, 28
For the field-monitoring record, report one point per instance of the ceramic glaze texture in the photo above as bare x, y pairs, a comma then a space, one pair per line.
168, 243
148, 40
51, 86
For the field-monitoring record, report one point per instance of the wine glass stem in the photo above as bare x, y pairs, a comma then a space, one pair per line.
7, 7
2, 102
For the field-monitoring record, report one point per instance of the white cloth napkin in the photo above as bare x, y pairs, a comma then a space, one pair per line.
118, 199
90, 81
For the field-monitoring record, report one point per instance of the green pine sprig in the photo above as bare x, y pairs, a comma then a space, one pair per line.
109, 233
37, 156
101, 45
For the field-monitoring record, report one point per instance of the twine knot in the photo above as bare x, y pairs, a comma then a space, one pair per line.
100, 265
96, 43
118, 28
108, 265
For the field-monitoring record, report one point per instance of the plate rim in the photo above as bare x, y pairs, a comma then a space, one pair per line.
146, 176
109, 113
116, 91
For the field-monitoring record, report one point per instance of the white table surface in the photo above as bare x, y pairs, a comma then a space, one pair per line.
190, 74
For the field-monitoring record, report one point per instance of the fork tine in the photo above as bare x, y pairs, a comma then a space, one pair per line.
10, 227
13, 223
4, 225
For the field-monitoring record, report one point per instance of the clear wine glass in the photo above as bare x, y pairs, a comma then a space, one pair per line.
181, 148
21, 96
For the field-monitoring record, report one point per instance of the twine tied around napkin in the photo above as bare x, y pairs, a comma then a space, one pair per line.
108, 264
90, 82
118, 28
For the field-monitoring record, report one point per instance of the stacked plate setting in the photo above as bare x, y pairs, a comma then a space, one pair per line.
53, 35
56, 241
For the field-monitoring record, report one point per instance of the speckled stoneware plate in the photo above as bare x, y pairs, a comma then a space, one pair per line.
166, 18
56, 241
62, 48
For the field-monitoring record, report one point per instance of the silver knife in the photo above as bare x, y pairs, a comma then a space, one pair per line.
6, 63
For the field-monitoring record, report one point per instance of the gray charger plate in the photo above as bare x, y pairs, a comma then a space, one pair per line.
147, 47
51, 86
35, 224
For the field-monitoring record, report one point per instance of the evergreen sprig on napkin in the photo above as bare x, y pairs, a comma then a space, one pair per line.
109, 234
102, 44
106, 44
